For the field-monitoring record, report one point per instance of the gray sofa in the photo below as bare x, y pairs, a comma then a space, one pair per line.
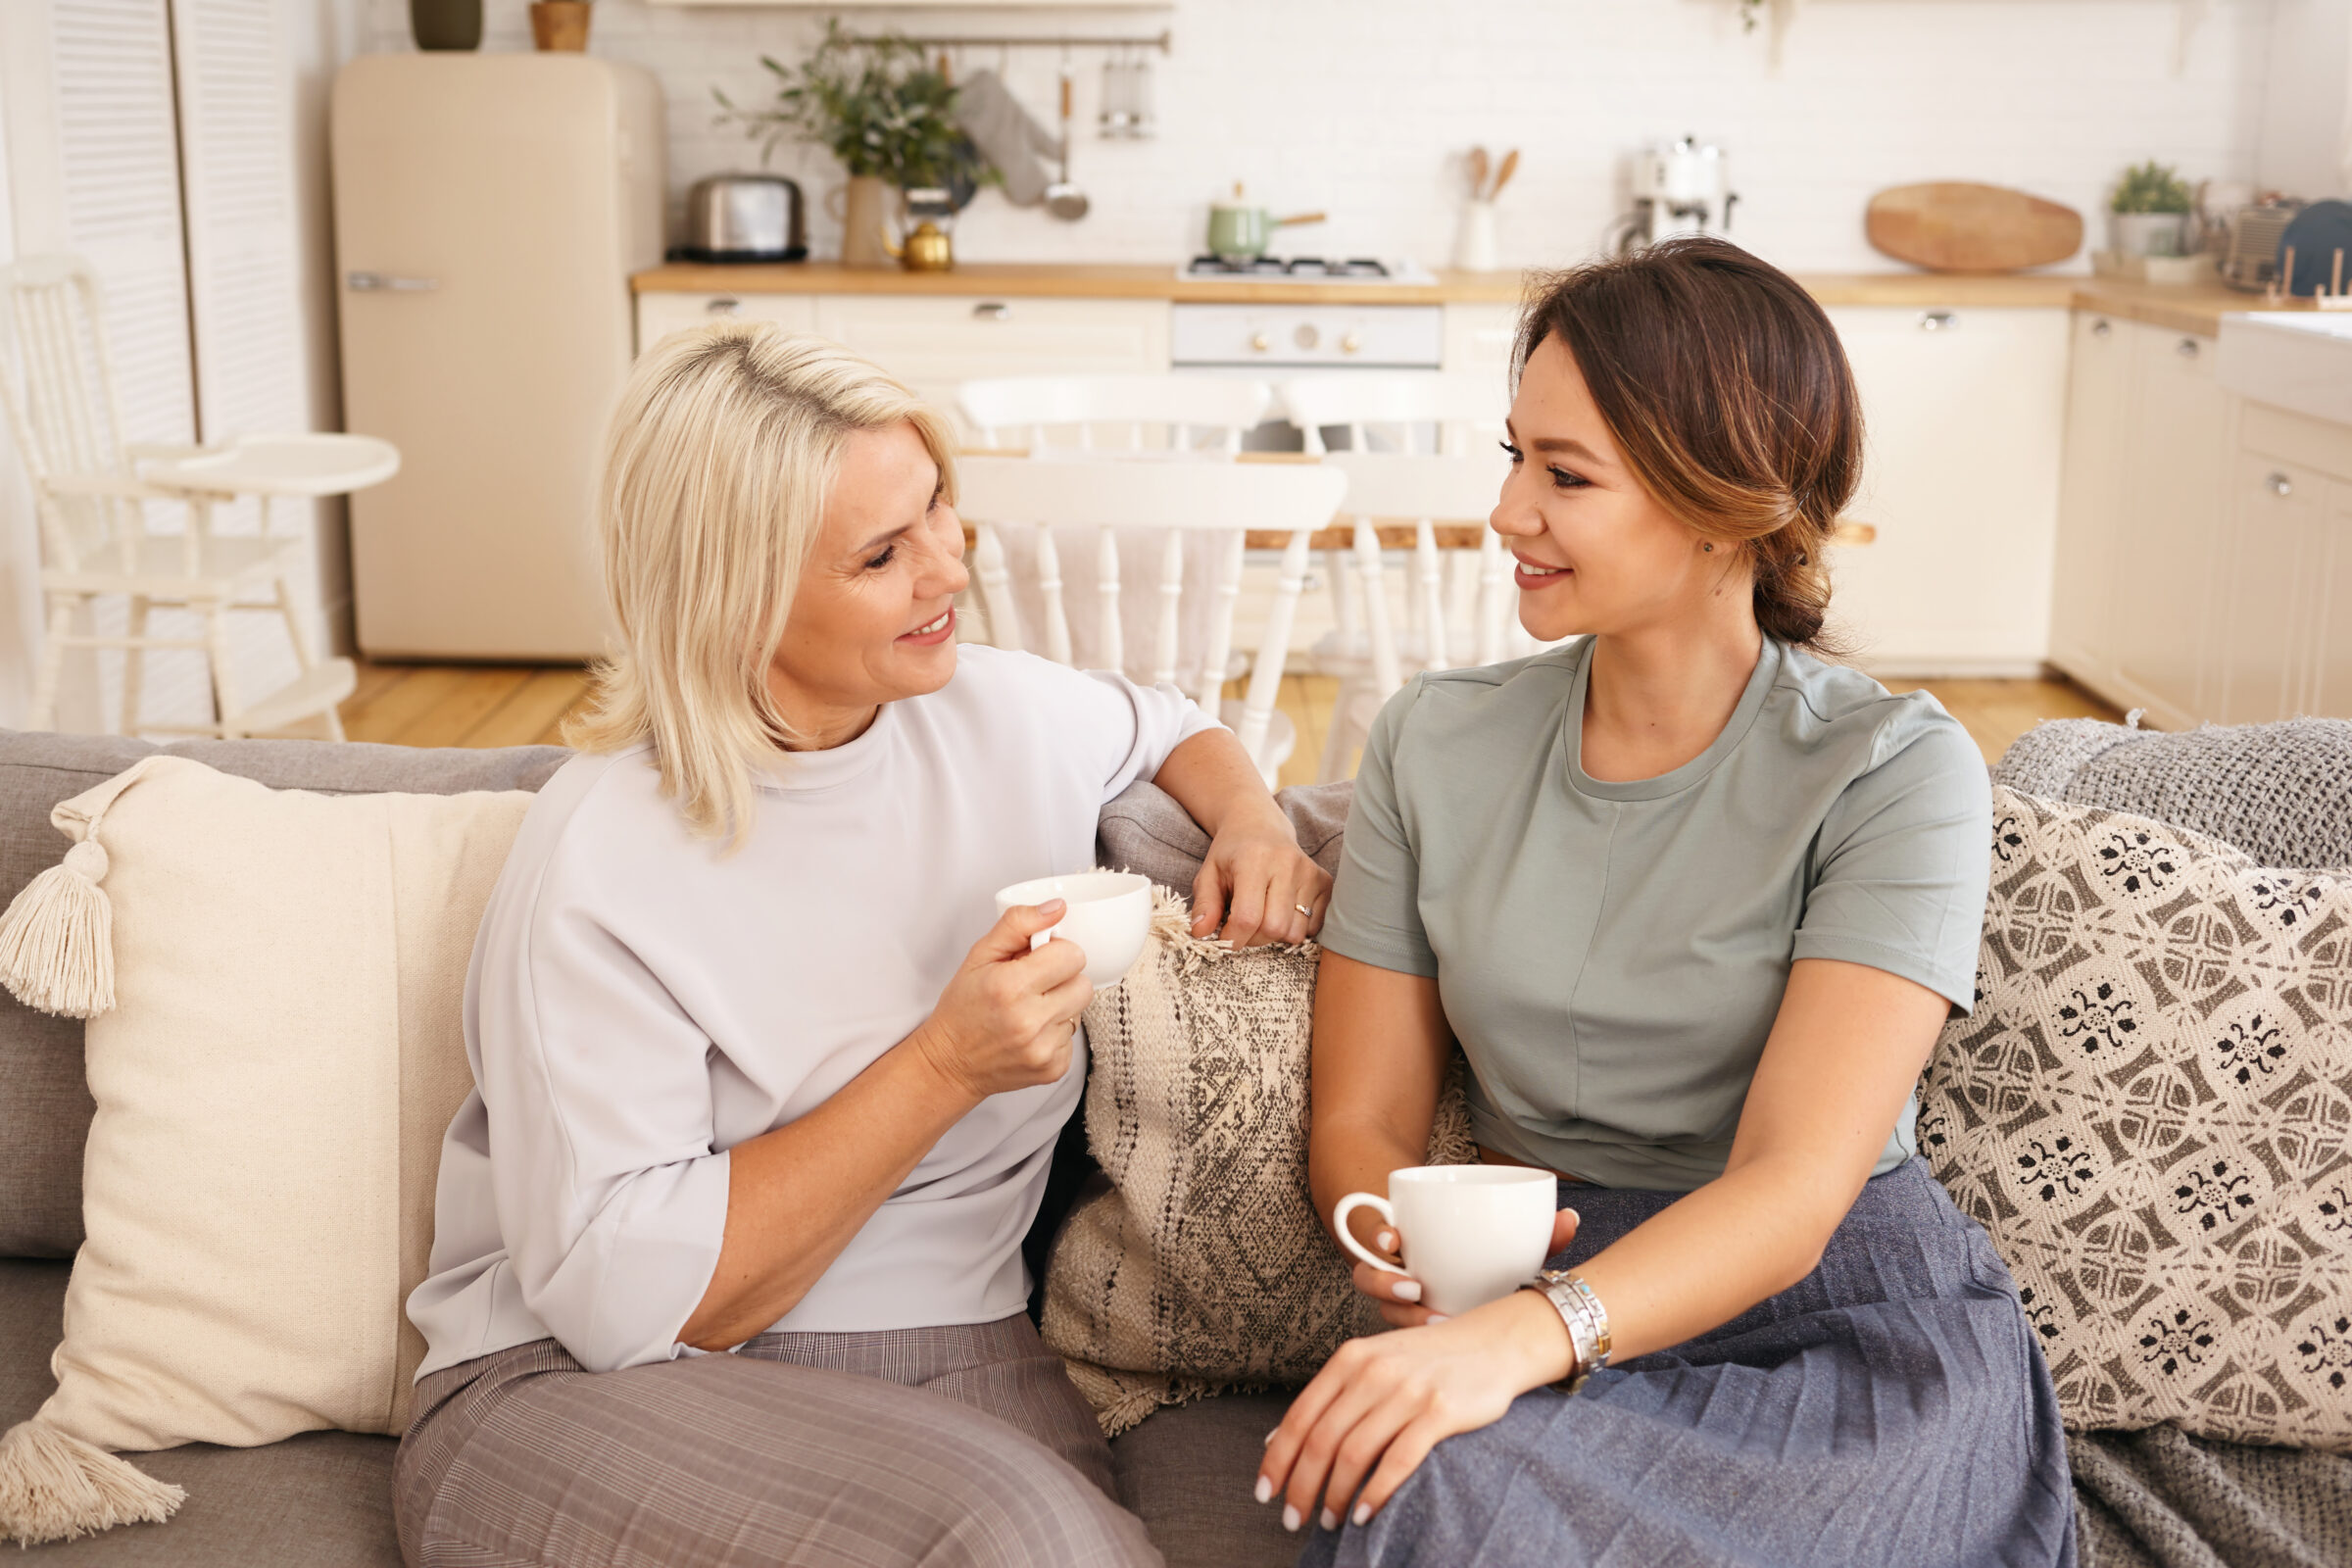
324, 1497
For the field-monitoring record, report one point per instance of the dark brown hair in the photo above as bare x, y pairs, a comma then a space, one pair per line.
1729, 393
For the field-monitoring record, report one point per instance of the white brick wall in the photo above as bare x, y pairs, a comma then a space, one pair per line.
1365, 108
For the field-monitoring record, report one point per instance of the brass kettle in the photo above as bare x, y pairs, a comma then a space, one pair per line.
927, 249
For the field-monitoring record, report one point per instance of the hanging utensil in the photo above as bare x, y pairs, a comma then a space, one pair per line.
1502, 176
1477, 172
1064, 200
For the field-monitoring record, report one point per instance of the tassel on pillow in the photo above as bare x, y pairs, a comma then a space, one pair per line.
57, 940
54, 1488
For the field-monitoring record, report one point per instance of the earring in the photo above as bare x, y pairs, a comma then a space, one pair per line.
1710, 549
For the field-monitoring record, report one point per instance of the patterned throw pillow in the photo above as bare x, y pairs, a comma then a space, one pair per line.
2152, 1112
1204, 1266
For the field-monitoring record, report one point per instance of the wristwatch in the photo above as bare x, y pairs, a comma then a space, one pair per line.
1587, 1321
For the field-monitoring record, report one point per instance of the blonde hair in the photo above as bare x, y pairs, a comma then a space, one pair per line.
710, 491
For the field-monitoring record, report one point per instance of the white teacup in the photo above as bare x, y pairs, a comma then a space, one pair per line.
1473, 1234
1109, 917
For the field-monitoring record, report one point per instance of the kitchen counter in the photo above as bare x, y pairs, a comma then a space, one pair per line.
2181, 308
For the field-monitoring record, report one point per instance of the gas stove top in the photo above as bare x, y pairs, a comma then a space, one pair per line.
1307, 270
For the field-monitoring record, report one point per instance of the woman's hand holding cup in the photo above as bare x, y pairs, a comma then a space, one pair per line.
1482, 1219
1005, 1021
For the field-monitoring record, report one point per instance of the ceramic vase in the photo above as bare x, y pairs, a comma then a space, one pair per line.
446, 23
865, 209
2145, 233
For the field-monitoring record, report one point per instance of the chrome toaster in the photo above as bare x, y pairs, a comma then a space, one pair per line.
743, 218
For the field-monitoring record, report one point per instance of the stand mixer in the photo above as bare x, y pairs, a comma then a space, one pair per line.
1679, 188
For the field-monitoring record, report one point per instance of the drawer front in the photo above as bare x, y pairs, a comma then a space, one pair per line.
933, 342
660, 315
1479, 337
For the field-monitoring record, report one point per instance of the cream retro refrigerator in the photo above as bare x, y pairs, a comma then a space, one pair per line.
489, 209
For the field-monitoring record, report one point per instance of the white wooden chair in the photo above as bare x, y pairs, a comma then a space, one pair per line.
90, 489
1133, 500
1180, 413
1426, 492
1431, 411
1203, 414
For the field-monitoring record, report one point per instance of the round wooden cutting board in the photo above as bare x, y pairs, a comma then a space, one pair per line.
1953, 226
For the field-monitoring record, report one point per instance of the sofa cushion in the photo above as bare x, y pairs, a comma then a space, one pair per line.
1145, 831
45, 1101
321, 1498
2151, 1111
1188, 1474
1205, 1265
2280, 793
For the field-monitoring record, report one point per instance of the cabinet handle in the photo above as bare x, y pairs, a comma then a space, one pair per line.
2187, 347
723, 306
2278, 484
992, 311
1938, 320
2101, 328
386, 283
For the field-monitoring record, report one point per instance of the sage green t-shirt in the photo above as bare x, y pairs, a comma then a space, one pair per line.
1612, 955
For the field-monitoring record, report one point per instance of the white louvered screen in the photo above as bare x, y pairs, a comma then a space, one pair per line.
119, 164
236, 130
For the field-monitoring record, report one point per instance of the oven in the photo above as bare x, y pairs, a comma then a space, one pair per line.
1267, 342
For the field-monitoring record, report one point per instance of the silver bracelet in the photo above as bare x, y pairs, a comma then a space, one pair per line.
1586, 1319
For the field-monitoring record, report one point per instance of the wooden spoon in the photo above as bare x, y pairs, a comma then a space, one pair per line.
1502, 176
1478, 171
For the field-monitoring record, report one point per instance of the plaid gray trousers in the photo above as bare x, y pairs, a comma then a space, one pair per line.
961, 1447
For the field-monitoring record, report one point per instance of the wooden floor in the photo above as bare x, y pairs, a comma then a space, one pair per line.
482, 705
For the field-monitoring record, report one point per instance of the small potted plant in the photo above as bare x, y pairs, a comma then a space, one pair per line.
560, 25
884, 111
2148, 213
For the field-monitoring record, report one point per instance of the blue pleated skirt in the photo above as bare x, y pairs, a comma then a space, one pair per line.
1891, 1409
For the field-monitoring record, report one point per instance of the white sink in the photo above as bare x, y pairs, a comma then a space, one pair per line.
2300, 360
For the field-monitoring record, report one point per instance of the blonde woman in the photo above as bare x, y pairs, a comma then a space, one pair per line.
728, 1257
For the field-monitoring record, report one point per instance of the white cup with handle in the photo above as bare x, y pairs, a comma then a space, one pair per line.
1472, 1234
1109, 917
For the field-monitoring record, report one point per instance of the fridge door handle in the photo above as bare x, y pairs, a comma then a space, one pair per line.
386, 282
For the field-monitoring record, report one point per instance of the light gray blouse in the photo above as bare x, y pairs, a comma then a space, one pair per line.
1611, 955
640, 1001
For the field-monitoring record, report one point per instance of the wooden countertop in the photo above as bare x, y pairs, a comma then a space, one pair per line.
2181, 308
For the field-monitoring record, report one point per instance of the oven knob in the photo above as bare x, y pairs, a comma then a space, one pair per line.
1259, 342
1350, 343
1307, 338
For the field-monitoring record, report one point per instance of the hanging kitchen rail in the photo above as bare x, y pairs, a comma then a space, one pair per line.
1165, 41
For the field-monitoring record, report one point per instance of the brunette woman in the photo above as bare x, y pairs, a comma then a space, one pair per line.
1694, 902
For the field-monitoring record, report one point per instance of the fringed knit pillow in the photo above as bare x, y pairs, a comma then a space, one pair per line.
272, 981
1204, 1267
2152, 1112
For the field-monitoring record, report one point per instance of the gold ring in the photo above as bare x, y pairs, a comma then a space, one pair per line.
1304, 910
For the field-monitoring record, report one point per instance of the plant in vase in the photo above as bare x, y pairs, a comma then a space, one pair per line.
2147, 214
884, 111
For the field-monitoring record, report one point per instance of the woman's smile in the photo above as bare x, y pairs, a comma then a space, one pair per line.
1532, 574
933, 631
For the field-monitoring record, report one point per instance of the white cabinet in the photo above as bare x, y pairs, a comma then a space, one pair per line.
936, 342
2283, 642
1479, 336
1962, 410
2141, 569
660, 315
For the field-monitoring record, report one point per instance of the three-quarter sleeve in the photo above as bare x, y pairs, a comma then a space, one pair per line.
1902, 863
1133, 727
597, 1087
1374, 913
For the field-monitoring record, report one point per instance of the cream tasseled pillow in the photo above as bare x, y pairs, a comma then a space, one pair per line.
281, 1056
1204, 1266
2152, 1112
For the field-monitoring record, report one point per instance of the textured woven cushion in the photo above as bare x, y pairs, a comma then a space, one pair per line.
44, 1100
273, 1085
1145, 831
1204, 1265
2151, 1111
2280, 793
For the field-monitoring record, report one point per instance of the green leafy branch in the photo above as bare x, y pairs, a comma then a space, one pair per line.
877, 105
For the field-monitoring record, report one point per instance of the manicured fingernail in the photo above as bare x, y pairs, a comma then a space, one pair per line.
1329, 1520
1439, 1317
1575, 1216
1406, 1290
1362, 1515
1270, 1438
1290, 1518
1386, 1240
1265, 1490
